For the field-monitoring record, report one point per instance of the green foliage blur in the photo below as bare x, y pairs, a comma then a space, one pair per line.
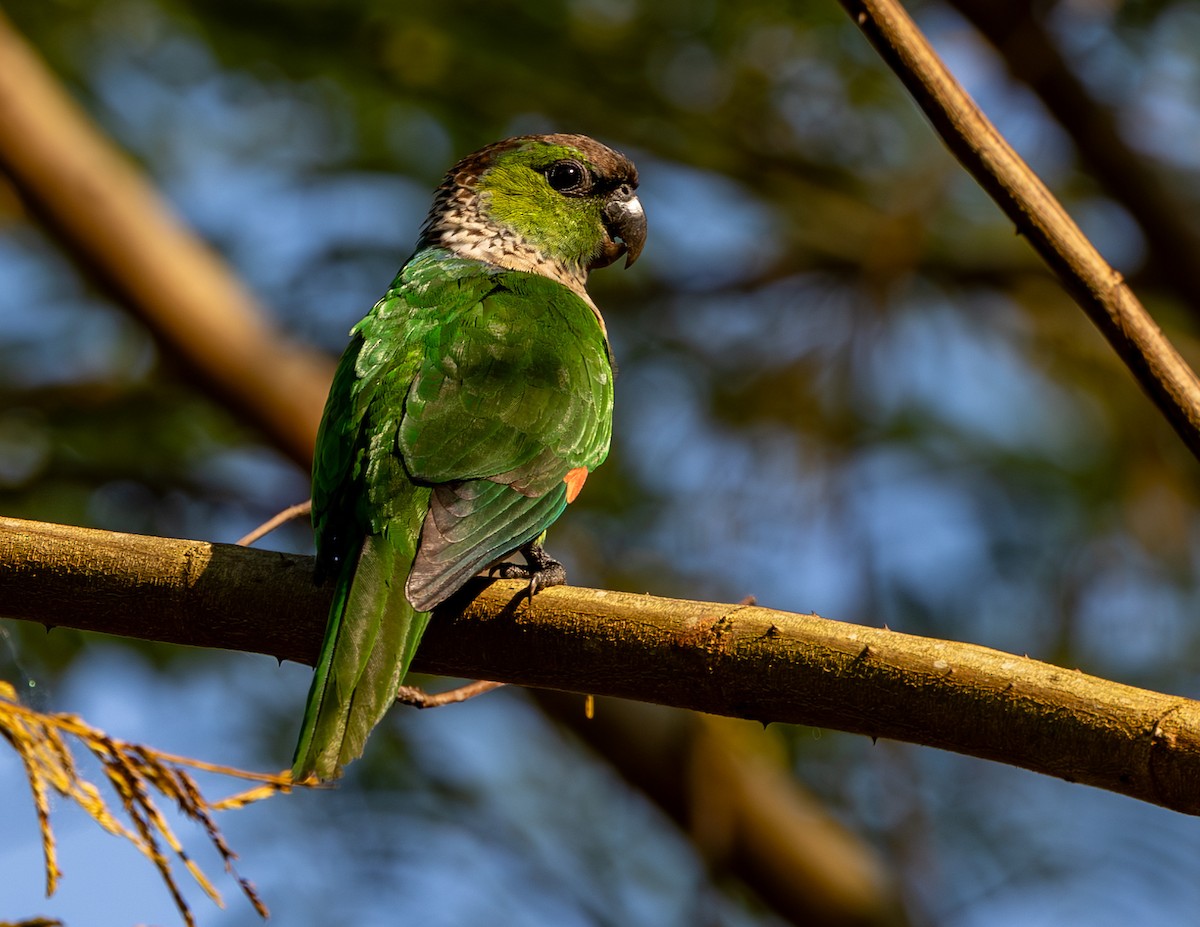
846, 386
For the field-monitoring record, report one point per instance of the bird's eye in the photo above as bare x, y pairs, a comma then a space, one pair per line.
566, 176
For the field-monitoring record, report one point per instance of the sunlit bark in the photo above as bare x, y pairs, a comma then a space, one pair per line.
743, 661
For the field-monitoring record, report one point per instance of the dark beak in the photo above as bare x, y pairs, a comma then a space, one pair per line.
625, 223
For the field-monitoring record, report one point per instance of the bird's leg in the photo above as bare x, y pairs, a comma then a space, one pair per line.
542, 571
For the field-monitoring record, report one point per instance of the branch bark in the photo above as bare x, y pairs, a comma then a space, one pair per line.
1098, 289
735, 660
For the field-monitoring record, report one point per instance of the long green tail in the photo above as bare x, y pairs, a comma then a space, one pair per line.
370, 640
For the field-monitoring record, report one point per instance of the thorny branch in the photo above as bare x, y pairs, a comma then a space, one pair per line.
737, 660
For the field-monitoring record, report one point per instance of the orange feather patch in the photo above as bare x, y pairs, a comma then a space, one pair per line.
575, 480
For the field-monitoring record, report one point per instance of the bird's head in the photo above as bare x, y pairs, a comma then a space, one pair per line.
559, 205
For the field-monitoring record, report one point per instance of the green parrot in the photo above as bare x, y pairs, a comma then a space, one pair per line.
466, 413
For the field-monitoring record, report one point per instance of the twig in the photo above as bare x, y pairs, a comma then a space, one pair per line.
741, 661
298, 510
419, 698
1100, 291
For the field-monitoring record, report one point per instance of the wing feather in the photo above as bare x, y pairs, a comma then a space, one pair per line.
508, 399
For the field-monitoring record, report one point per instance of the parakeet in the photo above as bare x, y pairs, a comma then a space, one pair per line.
466, 413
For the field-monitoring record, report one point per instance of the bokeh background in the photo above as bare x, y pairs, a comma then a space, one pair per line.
846, 386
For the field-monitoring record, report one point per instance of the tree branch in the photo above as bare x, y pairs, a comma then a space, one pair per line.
1096, 287
741, 661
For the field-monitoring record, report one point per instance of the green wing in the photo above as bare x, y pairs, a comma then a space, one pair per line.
512, 396
463, 400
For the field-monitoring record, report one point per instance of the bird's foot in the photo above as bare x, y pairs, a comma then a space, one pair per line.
542, 571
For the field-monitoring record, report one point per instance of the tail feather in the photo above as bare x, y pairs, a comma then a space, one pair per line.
372, 634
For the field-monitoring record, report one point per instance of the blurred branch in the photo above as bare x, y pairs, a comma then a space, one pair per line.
736, 660
1033, 57
117, 226
1100, 291
713, 775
